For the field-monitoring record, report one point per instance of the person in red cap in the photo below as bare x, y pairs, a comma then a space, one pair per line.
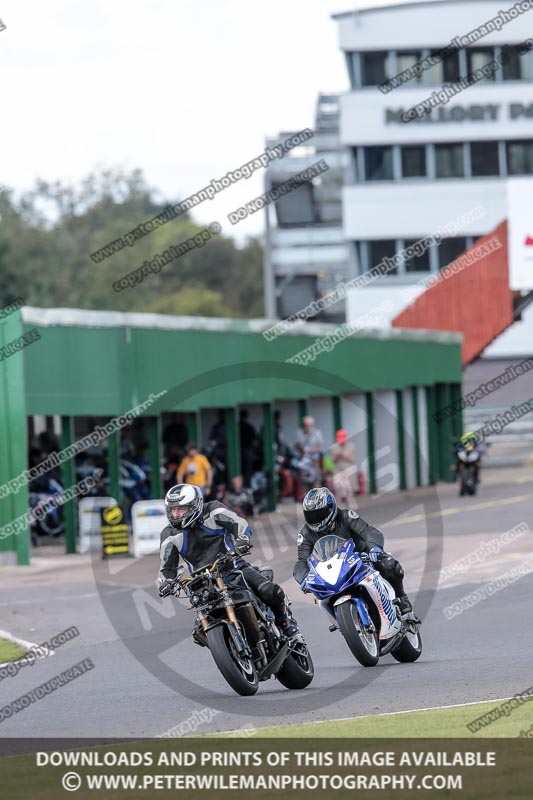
343, 456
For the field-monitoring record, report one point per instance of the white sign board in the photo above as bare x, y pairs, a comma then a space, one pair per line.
148, 518
520, 222
90, 522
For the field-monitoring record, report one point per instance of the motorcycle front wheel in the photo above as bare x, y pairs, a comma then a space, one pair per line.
410, 649
297, 670
362, 642
237, 670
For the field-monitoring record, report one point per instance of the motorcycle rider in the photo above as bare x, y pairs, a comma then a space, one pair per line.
468, 442
199, 532
323, 517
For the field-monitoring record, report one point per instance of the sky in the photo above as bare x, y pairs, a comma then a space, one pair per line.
183, 89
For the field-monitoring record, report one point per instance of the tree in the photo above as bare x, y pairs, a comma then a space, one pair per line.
48, 234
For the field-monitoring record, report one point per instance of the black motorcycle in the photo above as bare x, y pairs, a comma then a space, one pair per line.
467, 469
240, 630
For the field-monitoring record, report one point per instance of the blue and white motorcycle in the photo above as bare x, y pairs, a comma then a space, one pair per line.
362, 602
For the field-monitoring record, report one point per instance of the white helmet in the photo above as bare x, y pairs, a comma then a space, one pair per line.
190, 502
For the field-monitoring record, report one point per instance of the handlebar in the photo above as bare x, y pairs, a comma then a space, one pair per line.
231, 553
212, 567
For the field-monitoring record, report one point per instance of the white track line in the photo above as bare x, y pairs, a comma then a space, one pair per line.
16, 640
369, 716
21, 643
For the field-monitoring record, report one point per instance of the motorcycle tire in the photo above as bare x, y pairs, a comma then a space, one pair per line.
409, 650
52, 524
239, 672
297, 671
365, 648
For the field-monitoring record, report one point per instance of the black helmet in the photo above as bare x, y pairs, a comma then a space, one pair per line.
189, 500
320, 508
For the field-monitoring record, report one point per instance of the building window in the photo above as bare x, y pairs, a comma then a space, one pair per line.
511, 65
355, 171
414, 161
297, 207
526, 65
520, 158
416, 263
406, 59
450, 249
449, 161
446, 70
484, 159
517, 64
380, 249
351, 63
374, 68
359, 256
478, 57
378, 163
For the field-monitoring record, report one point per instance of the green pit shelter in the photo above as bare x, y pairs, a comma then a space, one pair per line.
81, 371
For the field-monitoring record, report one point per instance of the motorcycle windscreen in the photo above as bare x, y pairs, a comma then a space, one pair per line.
327, 547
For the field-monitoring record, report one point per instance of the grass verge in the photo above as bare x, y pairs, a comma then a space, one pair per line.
449, 723
10, 651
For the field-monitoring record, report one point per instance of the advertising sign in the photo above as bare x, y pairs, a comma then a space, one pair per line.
148, 518
89, 520
520, 221
114, 532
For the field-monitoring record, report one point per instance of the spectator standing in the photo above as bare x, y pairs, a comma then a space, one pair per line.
342, 454
309, 440
196, 469
239, 499
309, 446
217, 436
249, 446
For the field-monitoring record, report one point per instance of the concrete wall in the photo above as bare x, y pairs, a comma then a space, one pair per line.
386, 442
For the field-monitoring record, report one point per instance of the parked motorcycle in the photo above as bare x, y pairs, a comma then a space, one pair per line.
259, 489
307, 473
240, 630
284, 471
363, 603
134, 480
46, 519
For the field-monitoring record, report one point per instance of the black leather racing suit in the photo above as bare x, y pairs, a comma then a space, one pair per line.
348, 524
210, 537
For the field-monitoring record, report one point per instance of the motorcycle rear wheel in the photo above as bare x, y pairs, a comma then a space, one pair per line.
239, 672
364, 645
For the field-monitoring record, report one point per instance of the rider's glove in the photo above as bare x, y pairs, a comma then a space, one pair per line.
375, 553
242, 545
167, 588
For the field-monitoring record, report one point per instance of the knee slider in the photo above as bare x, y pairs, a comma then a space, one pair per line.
271, 593
398, 570
391, 568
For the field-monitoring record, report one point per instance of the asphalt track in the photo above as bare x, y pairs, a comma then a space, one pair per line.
149, 677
